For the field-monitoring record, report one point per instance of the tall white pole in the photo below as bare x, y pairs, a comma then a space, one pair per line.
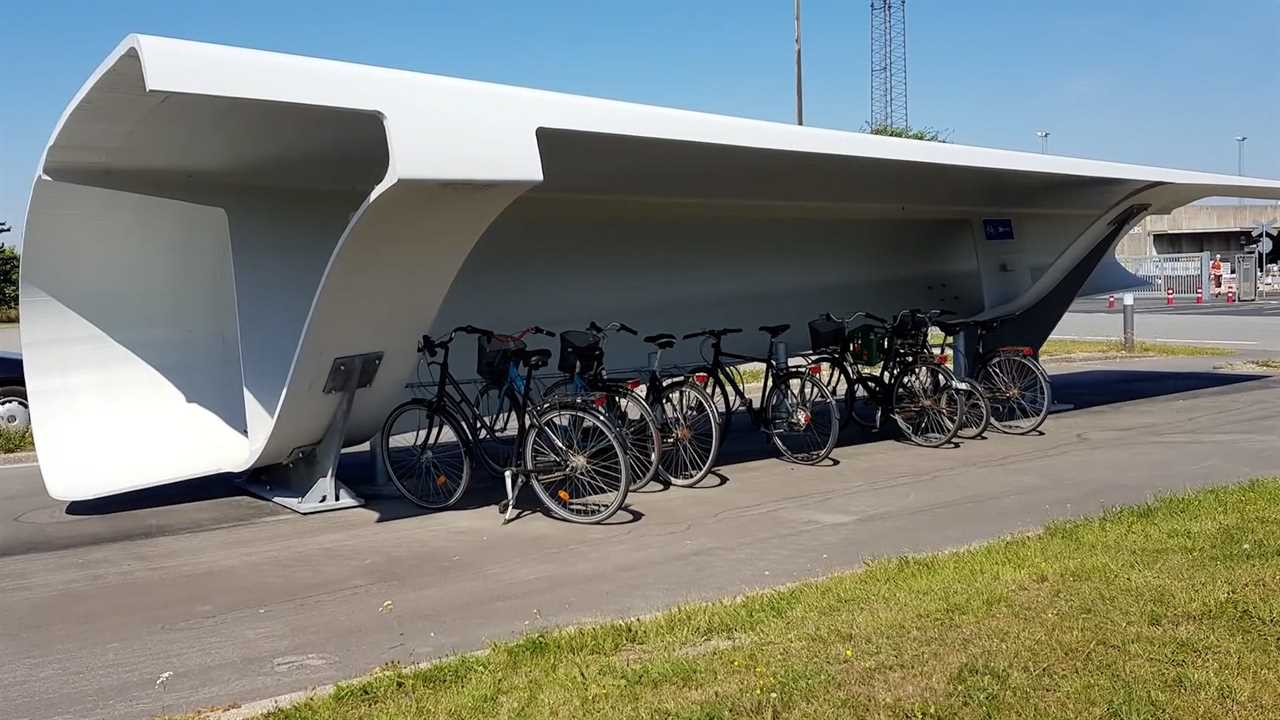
799, 73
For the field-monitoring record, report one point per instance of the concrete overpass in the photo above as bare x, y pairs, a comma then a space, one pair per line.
211, 227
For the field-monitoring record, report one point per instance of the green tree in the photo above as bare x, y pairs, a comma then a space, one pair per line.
925, 133
9, 262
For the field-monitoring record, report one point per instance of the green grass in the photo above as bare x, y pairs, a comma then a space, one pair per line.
1168, 610
1061, 348
12, 441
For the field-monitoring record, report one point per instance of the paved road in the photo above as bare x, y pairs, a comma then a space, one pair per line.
242, 602
1269, 307
9, 338
1249, 326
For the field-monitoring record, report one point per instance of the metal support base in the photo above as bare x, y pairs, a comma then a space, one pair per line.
307, 481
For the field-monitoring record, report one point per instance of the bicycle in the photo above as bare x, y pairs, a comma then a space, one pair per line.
571, 455
920, 394
1011, 377
582, 359
687, 418
797, 412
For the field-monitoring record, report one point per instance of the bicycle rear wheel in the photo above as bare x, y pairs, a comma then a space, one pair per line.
500, 423
690, 430
1019, 392
577, 463
862, 398
926, 405
802, 418
425, 454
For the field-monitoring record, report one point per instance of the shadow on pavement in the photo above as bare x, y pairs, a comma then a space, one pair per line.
213, 487
1091, 388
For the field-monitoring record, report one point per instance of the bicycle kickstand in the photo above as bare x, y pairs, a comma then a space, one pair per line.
508, 508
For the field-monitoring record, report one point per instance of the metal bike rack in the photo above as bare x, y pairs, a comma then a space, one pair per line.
306, 482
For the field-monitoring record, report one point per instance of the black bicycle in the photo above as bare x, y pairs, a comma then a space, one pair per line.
1011, 377
582, 360
687, 419
568, 452
917, 391
797, 411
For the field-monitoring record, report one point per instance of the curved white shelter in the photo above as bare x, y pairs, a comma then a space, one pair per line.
211, 227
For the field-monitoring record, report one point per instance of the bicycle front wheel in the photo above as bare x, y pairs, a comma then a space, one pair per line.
926, 405
802, 418
1018, 390
425, 454
690, 430
577, 464
975, 418
630, 416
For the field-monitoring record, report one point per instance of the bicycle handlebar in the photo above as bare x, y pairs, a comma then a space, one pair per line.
855, 316
713, 333
615, 326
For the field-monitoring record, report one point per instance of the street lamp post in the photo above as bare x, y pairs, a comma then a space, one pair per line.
799, 79
1044, 140
1240, 140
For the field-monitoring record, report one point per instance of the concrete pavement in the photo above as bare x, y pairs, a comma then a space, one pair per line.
242, 602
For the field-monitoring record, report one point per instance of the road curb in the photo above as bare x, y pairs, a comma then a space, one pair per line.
18, 459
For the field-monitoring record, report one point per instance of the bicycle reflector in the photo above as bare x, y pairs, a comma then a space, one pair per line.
700, 378
633, 383
943, 358
600, 399
815, 369
564, 496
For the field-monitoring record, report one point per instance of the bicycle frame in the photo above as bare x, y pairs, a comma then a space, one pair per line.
718, 366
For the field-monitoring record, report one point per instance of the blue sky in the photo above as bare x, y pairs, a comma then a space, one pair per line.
1162, 82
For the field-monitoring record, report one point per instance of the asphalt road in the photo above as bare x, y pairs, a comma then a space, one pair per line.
1243, 326
9, 341
241, 601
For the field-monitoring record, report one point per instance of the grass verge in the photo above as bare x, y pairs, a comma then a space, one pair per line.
12, 441
1062, 349
1267, 365
1168, 610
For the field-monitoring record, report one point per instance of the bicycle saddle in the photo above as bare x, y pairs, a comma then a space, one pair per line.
534, 359
775, 330
664, 341
949, 328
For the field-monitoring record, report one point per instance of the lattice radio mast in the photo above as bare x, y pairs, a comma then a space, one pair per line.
889, 63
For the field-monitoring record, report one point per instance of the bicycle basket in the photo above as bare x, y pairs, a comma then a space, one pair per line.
493, 357
867, 344
825, 334
580, 352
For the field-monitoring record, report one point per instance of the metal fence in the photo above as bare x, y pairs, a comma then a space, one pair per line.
1185, 273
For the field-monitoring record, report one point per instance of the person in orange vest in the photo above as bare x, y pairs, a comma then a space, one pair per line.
1215, 274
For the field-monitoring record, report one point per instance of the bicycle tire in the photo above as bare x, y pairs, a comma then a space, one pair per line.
835, 376
926, 405
863, 400
714, 387
1019, 392
640, 432
975, 418
690, 434
801, 417
433, 477
557, 438
502, 416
